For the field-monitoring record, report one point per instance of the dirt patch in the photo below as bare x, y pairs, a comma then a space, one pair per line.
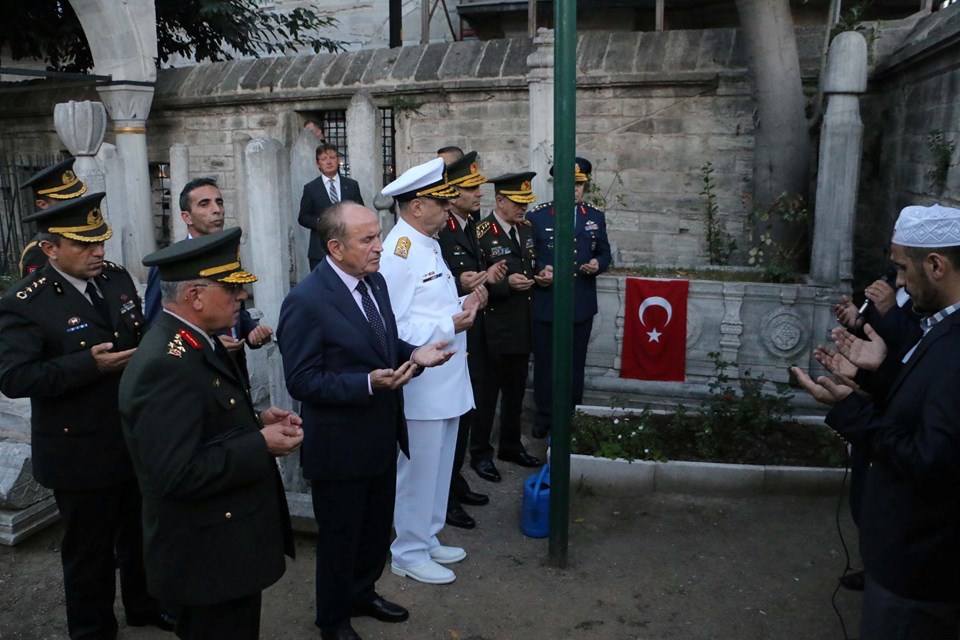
660, 566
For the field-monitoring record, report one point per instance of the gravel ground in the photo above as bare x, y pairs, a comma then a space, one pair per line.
646, 567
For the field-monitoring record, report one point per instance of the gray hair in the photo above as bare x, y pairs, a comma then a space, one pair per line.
170, 292
331, 225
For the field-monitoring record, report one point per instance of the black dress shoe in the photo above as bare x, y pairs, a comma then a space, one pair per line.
457, 517
521, 458
381, 609
159, 619
852, 581
339, 633
485, 469
474, 499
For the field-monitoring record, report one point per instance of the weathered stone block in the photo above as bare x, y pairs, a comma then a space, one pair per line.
407, 64
429, 67
380, 65
621, 52
650, 51
461, 60
296, 68
592, 49
230, 77
18, 489
515, 62
491, 61
358, 66
716, 48
314, 74
251, 79
271, 77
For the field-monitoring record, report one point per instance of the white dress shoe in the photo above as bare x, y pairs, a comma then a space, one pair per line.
428, 572
447, 555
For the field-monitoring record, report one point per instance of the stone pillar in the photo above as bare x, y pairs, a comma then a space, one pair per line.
540, 80
384, 208
108, 160
81, 126
303, 169
265, 164
363, 126
179, 177
129, 106
838, 176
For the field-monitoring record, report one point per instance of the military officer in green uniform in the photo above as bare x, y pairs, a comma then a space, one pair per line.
54, 184
67, 331
461, 250
216, 524
505, 235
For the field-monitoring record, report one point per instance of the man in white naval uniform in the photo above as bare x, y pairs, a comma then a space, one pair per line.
424, 298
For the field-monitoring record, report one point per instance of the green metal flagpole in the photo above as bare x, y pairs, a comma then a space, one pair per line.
564, 139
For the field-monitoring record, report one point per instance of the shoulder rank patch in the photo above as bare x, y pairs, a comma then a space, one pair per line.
175, 346
113, 266
403, 247
482, 228
189, 339
542, 205
30, 289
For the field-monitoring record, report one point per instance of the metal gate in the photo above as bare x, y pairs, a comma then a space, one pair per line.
15, 204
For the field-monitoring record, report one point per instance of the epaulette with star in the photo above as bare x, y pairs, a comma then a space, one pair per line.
540, 206
403, 247
482, 228
175, 346
32, 284
113, 266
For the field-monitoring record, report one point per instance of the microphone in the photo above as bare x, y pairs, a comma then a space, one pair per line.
890, 277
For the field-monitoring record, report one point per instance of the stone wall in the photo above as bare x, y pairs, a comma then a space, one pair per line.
653, 108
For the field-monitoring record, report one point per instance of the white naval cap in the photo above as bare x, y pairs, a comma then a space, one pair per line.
933, 226
424, 180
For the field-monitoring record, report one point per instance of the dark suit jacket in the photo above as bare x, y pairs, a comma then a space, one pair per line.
328, 350
910, 517
589, 242
215, 519
507, 318
461, 251
314, 202
47, 328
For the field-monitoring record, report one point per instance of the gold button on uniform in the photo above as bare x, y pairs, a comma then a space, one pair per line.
228, 515
66, 430
216, 383
232, 402
116, 334
83, 343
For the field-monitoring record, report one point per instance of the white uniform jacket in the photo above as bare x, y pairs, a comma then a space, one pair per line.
424, 297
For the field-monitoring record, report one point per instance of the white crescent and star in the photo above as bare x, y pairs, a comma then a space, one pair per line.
655, 301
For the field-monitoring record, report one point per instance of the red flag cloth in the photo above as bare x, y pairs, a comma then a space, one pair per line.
655, 330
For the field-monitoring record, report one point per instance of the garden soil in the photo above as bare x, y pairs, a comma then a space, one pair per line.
663, 567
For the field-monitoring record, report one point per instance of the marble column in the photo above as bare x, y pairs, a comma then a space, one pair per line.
129, 106
838, 176
179, 177
540, 81
366, 155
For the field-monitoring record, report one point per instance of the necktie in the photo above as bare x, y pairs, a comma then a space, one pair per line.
513, 236
373, 317
98, 302
334, 198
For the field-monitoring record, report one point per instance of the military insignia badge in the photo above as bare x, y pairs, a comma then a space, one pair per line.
175, 347
403, 247
74, 321
189, 339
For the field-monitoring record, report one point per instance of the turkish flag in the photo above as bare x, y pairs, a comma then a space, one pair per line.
655, 330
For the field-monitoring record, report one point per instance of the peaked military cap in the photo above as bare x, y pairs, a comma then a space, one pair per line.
57, 182
582, 170
214, 257
464, 172
79, 219
422, 181
516, 186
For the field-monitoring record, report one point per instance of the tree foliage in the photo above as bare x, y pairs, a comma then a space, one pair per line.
204, 30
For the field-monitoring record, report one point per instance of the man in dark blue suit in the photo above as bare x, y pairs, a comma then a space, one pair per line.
591, 258
322, 192
343, 360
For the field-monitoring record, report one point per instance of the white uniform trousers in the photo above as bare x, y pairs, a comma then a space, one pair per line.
423, 484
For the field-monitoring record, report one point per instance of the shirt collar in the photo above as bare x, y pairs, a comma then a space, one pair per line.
348, 280
506, 226
931, 321
81, 285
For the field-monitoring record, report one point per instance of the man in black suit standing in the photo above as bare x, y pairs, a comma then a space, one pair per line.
322, 192
461, 250
67, 331
343, 360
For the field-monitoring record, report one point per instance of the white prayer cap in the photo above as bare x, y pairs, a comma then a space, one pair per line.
933, 226
424, 180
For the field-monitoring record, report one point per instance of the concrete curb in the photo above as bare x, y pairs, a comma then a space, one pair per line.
623, 477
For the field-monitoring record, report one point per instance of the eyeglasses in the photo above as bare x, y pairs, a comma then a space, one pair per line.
230, 287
